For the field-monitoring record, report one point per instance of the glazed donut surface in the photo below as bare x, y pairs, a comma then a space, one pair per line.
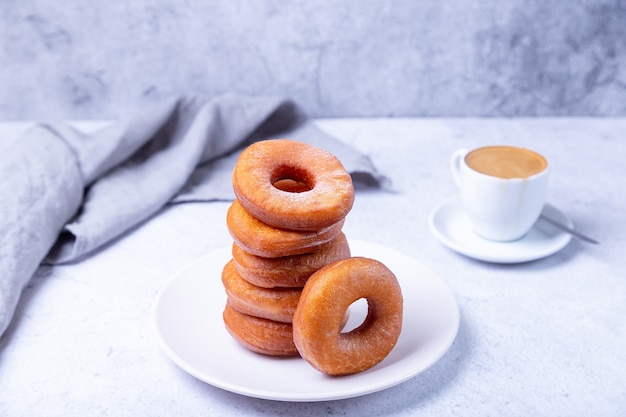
292, 185
263, 240
278, 304
288, 271
260, 335
327, 295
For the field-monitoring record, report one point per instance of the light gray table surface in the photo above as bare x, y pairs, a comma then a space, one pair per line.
541, 338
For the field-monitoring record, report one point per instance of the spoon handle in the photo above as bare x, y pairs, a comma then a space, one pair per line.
569, 230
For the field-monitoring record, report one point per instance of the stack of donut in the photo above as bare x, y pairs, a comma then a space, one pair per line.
286, 223
291, 278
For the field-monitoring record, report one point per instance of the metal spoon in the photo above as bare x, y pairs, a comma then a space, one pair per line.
568, 230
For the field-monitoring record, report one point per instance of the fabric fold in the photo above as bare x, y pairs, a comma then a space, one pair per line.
41, 187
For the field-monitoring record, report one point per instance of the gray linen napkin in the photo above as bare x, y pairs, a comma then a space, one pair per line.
64, 194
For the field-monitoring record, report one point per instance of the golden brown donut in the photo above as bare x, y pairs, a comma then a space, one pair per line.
276, 304
260, 239
327, 295
288, 271
260, 335
292, 185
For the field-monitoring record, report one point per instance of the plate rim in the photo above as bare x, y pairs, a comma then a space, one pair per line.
450, 336
562, 239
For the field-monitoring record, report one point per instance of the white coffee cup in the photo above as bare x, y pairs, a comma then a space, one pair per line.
502, 189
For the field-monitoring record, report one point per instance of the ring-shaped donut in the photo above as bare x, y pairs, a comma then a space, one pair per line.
327, 295
260, 335
276, 304
292, 185
263, 240
288, 271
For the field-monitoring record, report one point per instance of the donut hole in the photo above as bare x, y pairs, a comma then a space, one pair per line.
292, 179
358, 313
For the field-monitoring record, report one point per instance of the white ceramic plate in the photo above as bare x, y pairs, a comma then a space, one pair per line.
189, 326
451, 226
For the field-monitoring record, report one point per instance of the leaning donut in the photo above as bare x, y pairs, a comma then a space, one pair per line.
292, 185
260, 335
260, 239
288, 271
276, 304
327, 295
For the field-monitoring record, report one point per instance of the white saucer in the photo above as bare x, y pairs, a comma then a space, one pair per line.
451, 226
190, 329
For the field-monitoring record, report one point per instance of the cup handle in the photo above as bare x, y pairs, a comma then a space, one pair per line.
455, 164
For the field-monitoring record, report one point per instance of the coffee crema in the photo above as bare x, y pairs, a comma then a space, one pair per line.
506, 162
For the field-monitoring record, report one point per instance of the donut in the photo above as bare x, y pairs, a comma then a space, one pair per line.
288, 271
292, 185
260, 335
276, 304
327, 294
263, 240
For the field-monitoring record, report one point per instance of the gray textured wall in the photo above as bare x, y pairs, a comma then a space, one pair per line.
95, 59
